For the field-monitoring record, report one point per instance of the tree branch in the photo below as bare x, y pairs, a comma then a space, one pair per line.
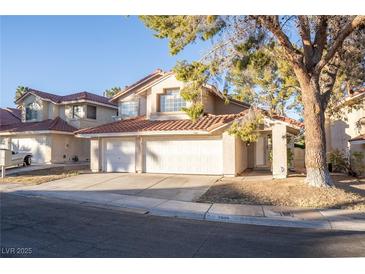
330, 79
273, 25
304, 31
346, 31
320, 40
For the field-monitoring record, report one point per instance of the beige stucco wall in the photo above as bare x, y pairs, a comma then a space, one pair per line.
340, 131
103, 115
95, 154
220, 107
229, 155
53, 111
66, 147
209, 102
279, 151
358, 148
299, 158
241, 156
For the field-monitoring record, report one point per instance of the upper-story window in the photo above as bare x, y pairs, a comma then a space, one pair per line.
91, 112
128, 109
76, 111
171, 101
31, 111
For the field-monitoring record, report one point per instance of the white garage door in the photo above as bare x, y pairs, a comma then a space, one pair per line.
119, 155
39, 147
184, 156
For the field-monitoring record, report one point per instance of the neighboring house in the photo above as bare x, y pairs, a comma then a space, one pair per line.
154, 135
46, 124
347, 133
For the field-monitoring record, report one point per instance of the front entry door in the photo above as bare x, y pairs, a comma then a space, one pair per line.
260, 152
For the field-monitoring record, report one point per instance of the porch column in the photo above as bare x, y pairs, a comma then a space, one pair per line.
139, 155
95, 155
229, 154
279, 153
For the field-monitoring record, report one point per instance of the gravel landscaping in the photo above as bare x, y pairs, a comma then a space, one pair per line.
349, 193
37, 177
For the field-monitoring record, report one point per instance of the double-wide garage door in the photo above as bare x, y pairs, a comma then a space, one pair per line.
195, 156
184, 156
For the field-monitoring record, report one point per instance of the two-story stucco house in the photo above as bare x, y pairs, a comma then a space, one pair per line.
154, 135
347, 133
48, 122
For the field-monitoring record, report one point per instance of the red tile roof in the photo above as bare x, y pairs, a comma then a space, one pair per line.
71, 97
359, 138
56, 124
139, 124
9, 116
16, 112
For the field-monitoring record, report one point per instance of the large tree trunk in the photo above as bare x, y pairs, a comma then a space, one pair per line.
315, 139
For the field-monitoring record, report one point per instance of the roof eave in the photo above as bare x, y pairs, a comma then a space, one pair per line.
143, 133
32, 132
132, 87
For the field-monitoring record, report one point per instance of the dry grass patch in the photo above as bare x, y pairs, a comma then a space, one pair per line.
291, 192
37, 177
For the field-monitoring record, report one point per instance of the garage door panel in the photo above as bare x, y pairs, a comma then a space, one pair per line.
184, 156
119, 155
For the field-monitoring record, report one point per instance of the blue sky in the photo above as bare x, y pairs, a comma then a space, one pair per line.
65, 54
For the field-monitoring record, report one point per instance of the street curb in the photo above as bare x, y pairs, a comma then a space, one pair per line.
186, 210
267, 221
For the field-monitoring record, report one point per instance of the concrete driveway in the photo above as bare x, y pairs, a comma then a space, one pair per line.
163, 186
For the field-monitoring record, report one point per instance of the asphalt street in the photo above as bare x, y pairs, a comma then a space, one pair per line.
39, 227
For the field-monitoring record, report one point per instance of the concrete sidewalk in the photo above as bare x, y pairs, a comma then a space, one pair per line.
245, 214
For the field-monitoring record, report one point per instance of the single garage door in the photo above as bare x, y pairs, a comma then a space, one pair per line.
203, 156
119, 155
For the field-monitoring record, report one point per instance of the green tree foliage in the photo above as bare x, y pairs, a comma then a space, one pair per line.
111, 92
262, 78
20, 90
322, 55
182, 30
195, 75
247, 127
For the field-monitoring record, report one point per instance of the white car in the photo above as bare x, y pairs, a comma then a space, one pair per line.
21, 158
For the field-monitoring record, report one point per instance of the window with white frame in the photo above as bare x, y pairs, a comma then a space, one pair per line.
31, 111
128, 109
171, 101
76, 111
